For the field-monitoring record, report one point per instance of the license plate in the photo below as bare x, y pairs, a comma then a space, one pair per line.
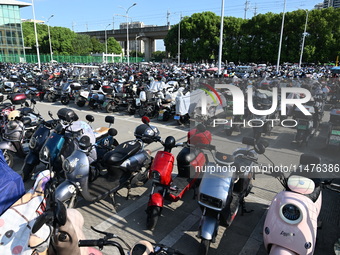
335, 132
137, 102
302, 127
160, 115
177, 117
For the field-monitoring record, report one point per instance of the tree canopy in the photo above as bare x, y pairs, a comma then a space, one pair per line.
64, 41
257, 39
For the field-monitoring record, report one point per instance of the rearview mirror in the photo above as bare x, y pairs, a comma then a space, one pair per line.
145, 120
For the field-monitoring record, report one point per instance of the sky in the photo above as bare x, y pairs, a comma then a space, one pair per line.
88, 15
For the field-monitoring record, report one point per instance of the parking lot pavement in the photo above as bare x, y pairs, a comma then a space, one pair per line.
179, 222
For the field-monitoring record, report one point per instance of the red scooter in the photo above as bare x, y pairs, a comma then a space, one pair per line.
189, 162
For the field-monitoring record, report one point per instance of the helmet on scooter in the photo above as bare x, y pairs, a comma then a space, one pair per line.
13, 115
142, 248
84, 142
146, 133
169, 142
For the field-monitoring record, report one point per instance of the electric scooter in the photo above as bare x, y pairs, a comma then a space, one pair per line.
126, 167
164, 186
222, 192
291, 223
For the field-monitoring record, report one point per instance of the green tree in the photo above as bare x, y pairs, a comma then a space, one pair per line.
97, 46
82, 44
199, 37
158, 56
113, 46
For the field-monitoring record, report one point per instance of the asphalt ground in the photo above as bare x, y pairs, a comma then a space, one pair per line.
178, 225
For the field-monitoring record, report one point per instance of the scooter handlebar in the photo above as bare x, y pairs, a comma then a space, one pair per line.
90, 243
100, 243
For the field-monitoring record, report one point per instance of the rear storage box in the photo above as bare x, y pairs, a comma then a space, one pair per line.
67, 114
18, 98
75, 86
189, 161
107, 89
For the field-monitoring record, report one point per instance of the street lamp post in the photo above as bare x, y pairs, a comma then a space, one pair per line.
106, 42
137, 36
280, 44
49, 36
179, 41
221, 40
36, 35
127, 32
303, 39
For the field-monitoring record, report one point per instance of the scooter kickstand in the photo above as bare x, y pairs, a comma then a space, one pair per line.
113, 201
243, 208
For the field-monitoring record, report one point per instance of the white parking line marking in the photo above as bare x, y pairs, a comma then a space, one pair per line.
120, 216
185, 225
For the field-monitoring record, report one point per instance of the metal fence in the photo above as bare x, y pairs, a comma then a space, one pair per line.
31, 58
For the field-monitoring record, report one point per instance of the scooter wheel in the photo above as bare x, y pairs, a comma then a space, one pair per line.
183, 120
64, 100
153, 213
81, 103
228, 132
110, 107
71, 203
51, 98
8, 157
204, 247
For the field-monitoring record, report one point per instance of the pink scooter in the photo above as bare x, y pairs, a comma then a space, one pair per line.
292, 219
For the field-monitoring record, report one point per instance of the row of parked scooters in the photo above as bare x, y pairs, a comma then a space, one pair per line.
80, 160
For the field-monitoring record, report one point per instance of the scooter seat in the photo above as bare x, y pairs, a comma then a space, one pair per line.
26, 110
99, 132
5, 105
121, 153
224, 158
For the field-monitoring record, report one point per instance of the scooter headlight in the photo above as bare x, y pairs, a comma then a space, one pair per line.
155, 176
33, 142
291, 214
44, 155
210, 201
67, 166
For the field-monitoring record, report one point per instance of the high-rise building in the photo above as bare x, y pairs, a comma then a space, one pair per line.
11, 37
331, 3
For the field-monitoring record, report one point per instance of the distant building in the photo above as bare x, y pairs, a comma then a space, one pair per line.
318, 6
329, 3
32, 20
11, 37
136, 45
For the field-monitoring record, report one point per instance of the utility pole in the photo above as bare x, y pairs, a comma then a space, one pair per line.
246, 8
280, 44
255, 10
303, 39
179, 40
221, 40
167, 18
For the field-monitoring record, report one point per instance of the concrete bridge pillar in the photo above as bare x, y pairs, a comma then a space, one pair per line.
150, 46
